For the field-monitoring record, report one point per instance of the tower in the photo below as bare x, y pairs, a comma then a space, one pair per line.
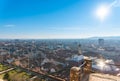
101, 42
79, 49
75, 74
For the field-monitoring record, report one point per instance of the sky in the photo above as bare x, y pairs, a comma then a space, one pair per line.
54, 19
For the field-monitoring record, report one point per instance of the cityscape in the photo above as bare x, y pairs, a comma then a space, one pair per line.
56, 56
59, 40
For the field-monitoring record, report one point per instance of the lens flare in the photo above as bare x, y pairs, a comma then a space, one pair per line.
101, 64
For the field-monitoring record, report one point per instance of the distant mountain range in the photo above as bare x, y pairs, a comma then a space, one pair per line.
97, 37
107, 37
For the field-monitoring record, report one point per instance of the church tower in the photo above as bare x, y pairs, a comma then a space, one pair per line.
79, 49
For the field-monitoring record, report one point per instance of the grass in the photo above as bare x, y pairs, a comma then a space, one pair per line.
2, 67
15, 75
1, 76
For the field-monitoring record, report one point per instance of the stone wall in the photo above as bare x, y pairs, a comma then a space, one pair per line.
103, 77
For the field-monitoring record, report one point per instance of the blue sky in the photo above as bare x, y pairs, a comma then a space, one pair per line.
57, 19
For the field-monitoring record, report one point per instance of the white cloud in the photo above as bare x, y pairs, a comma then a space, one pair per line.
69, 28
9, 25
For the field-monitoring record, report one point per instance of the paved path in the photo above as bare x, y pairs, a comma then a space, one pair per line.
31, 79
6, 70
1, 80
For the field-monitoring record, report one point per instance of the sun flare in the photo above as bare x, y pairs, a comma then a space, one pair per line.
102, 12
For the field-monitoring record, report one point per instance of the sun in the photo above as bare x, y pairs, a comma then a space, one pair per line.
102, 12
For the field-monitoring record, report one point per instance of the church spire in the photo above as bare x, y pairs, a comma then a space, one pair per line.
79, 49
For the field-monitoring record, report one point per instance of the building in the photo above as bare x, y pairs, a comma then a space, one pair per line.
101, 42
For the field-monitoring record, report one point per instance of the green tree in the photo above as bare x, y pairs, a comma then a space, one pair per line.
6, 77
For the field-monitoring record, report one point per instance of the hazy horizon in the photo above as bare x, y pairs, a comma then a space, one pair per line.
95, 37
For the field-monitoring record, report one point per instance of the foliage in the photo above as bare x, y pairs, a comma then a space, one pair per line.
6, 77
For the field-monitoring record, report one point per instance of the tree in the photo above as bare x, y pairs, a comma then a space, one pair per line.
6, 77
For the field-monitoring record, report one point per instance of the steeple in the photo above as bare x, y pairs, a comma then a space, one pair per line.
79, 49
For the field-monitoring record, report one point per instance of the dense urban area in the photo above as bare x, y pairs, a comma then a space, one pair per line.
45, 59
